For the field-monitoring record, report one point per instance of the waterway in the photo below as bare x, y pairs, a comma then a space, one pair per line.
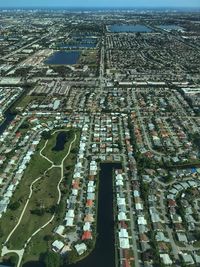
60, 141
63, 58
103, 254
8, 118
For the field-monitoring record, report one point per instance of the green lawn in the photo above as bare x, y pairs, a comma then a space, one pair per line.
36, 167
44, 197
23, 102
38, 245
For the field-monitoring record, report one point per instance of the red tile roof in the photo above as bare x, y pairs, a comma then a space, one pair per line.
87, 235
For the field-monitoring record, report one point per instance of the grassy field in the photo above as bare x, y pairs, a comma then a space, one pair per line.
45, 196
38, 244
23, 102
35, 169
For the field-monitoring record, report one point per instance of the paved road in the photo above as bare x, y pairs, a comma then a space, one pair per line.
130, 198
24, 47
143, 128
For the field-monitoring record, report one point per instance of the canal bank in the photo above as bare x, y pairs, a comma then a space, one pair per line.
104, 251
9, 115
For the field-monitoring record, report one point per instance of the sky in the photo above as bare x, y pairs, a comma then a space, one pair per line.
100, 3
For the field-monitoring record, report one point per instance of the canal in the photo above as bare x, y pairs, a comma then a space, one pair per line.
8, 118
103, 254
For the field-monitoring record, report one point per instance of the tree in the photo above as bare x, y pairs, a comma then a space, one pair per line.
52, 259
14, 205
1, 232
46, 135
72, 257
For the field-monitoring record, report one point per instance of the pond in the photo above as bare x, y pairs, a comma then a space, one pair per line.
60, 141
63, 58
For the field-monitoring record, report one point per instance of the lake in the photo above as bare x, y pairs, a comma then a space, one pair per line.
128, 28
63, 58
60, 141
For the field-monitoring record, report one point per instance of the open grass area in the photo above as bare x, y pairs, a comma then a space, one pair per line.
38, 244
35, 169
24, 101
43, 202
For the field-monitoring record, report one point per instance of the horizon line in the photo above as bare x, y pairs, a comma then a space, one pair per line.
162, 7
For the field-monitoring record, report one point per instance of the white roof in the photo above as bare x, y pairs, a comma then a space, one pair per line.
86, 226
70, 214
124, 243
121, 201
60, 229
123, 233
119, 182
139, 206
142, 220
69, 221
75, 192
81, 248
166, 259
58, 245
91, 189
136, 193
122, 216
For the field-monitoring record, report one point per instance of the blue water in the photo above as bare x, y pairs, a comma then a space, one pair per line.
60, 141
63, 58
89, 40
129, 28
170, 27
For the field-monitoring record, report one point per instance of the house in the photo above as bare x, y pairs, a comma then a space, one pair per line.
124, 243
182, 237
166, 259
57, 245
122, 216
81, 248
187, 258
59, 230
87, 235
160, 237
141, 220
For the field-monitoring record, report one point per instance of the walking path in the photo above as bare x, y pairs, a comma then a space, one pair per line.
20, 253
